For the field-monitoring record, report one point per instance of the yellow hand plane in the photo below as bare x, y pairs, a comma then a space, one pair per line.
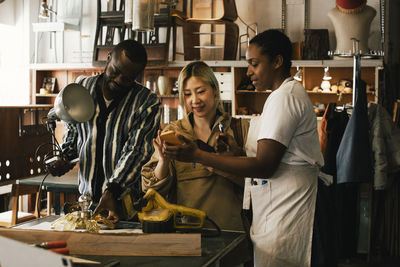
159, 216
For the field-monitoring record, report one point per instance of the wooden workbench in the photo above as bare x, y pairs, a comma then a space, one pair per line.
227, 249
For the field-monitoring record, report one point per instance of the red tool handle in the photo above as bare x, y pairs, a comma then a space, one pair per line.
64, 251
54, 244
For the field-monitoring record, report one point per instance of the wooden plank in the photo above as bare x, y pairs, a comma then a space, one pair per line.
82, 243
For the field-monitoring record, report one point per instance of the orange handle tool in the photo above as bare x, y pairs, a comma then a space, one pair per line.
64, 251
53, 244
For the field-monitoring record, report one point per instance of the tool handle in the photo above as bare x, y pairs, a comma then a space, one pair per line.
64, 251
54, 244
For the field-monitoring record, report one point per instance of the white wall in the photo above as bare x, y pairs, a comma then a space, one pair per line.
16, 17
46, 52
14, 53
267, 13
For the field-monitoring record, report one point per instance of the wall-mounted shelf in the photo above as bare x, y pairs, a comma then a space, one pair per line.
238, 92
250, 102
168, 96
346, 62
46, 95
64, 74
230, 72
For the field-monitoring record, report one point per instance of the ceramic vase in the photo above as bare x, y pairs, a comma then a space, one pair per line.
162, 83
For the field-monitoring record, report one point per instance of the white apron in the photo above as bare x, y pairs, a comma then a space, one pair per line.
283, 216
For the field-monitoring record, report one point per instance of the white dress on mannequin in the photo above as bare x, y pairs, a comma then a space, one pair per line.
349, 26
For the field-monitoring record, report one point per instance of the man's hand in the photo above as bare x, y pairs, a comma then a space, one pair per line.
107, 202
59, 167
187, 152
226, 145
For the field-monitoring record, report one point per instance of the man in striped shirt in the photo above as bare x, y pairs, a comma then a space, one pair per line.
114, 145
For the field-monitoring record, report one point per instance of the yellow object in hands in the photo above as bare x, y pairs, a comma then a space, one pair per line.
169, 137
159, 216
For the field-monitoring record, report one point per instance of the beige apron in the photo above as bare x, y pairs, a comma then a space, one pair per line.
283, 216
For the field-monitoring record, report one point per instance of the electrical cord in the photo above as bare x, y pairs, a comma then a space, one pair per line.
243, 22
215, 234
52, 151
205, 233
46, 124
38, 202
249, 26
46, 157
55, 151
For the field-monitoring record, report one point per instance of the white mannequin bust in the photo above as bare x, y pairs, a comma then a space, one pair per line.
349, 26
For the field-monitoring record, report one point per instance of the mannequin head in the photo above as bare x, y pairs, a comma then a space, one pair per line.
350, 6
351, 19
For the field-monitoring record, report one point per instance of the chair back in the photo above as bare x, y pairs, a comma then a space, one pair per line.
11, 218
227, 8
230, 11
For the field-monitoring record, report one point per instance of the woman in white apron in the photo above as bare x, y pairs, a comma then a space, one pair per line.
282, 150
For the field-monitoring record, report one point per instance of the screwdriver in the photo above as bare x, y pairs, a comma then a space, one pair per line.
64, 251
59, 247
52, 244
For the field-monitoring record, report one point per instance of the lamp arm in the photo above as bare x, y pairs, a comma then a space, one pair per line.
52, 11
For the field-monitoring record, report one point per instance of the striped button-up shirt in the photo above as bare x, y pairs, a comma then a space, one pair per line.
114, 145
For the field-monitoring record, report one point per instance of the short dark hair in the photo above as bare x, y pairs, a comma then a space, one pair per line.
273, 43
134, 50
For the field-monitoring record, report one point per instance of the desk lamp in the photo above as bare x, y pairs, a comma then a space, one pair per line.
73, 104
44, 10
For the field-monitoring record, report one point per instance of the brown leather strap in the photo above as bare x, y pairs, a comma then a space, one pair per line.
236, 126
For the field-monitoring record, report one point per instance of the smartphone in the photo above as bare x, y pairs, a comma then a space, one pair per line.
204, 146
222, 142
169, 137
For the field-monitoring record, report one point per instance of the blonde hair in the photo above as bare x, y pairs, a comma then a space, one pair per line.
203, 71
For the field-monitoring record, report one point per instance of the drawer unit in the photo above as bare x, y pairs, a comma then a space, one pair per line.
225, 82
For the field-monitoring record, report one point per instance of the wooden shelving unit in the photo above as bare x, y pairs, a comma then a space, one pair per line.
230, 75
64, 74
251, 102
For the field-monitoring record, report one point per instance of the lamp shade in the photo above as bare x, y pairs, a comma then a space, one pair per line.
73, 104
143, 15
43, 12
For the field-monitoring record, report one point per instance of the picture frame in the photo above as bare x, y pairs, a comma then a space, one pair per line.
49, 84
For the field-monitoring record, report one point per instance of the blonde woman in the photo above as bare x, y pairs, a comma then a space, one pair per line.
195, 185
